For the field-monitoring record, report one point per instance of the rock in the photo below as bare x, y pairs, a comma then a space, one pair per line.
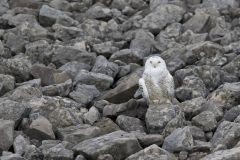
65, 33
20, 144
198, 23
228, 154
84, 94
220, 4
38, 51
4, 6
99, 11
151, 153
60, 57
35, 4
40, 129
59, 111
192, 87
60, 5
7, 82
105, 157
197, 133
143, 43
48, 75
158, 117
161, 16
92, 116
103, 66
125, 88
119, 4
48, 15
80, 157
149, 139
106, 48
31, 83
233, 66
6, 134
189, 37
101, 81
11, 110
19, 67
12, 157
195, 106
226, 134
205, 120
32, 152
119, 144
106, 126
24, 93
128, 124
227, 95
73, 67
127, 56
77, 134
132, 108
59, 152
62, 89
180, 139
232, 113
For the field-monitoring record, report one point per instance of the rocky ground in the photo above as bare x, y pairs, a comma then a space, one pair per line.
69, 70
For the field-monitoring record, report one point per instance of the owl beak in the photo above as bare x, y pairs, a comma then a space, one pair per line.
154, 66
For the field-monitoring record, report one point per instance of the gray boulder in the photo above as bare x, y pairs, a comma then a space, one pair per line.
106, 126
152, 152
7, 83
128, 124
92, 116
127, 56
205, 120
119, 144
20, 143
227, 134
33, 153
77, 134
101, 81
180, 139
161, 16
6, 134
221, 4
228, 154
99, 11
102, 65
59, 152
106, 48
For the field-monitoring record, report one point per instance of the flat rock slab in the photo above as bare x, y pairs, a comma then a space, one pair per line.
119, 144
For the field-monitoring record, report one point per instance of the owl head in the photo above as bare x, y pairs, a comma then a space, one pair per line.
155, 62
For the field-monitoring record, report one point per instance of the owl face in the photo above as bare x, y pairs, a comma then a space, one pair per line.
155, 62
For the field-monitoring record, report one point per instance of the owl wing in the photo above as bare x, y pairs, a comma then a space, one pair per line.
143, 88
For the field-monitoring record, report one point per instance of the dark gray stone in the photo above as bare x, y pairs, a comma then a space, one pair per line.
205, 120
128, 124
6, 134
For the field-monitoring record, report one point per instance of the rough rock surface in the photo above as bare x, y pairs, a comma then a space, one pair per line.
69, 72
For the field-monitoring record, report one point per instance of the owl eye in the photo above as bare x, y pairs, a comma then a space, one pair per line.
150, 61
159, 62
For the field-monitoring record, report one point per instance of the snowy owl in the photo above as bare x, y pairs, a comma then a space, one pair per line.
157, 83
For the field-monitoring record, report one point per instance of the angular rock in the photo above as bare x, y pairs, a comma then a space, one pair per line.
12, 157
227, 95
59, 111
66, 33
101, 81
192, 87
228, 154
20, 144
103, 66
62, 89
33, 153
48, 15
60, 57
127, 56
158, 117
72, 68
149, 139
119, 144
198, 23
99, 11
125, 88
59, 152
180, 139
6, 134
40, 129
106, 48
106, 126
205, 120
221, 4
105, 157
77, 134
48, 75
92, 116
7, 83
161, 16
19, 67
128, 124
233, 67
152, 152
232, 113
227, 134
